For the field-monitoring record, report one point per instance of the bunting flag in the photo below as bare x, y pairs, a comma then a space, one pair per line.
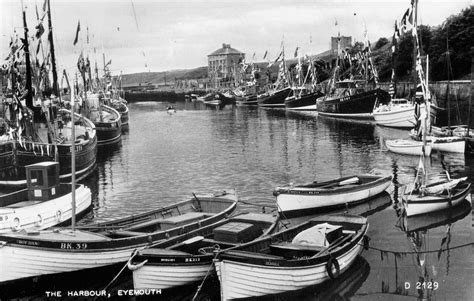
39, 30
296, 51
407, 22
391, 87
77, 33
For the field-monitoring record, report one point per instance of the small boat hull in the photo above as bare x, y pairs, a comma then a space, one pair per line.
396, 117
171, 264
415, 204
254, 270
305, 200
408, 147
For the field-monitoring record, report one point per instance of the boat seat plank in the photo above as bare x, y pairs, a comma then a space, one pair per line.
284, 245
253, 255
172, 221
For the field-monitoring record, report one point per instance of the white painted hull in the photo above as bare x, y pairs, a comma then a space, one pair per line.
45, 214
365, 116
300, 202
414, 208
449, 144
408, 147
163, 277
397, 117
23, 262
303, 108
242, 280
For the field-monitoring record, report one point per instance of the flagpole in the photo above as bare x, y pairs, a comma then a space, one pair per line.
53, 56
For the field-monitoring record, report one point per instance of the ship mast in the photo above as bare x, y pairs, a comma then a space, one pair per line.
53, 56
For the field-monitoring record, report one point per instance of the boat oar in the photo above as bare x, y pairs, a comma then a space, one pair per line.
336, 243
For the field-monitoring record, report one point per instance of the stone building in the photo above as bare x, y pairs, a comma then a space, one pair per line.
346, 42
224, 66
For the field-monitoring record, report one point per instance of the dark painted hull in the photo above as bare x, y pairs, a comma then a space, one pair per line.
306, 102
357, 106
224, 99
250, 100
275, 100
109, 131
15, 157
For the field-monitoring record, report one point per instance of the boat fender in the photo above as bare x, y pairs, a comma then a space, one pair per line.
332, 262
15, 225
39, 222
58, 215
366, 241
134, 267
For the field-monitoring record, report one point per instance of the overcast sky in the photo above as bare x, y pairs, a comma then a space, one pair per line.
178, 34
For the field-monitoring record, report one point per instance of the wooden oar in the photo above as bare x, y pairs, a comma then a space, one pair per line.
338, 242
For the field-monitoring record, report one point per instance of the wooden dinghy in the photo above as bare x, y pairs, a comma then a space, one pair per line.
408, 147
313, 197
44, 203
293, 259
436, 196
32, 254
188, 258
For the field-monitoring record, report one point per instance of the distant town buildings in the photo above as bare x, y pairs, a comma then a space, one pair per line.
223, 66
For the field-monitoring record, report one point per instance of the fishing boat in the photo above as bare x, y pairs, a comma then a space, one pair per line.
300, 99
188, 258
44, 203
408, 147
350, 99
274, 99
311, 253
398, 113
310, 198
225, 98
39, 128
248, 100
90, 247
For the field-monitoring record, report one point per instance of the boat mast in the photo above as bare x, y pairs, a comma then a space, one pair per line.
415, 45
73, 161
29, 95
53, 57
448, 70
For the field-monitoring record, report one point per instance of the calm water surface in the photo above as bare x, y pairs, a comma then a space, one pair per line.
164, 158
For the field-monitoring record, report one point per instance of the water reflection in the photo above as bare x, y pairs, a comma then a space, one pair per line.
424, 267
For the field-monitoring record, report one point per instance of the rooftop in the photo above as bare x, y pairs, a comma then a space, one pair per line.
226, 49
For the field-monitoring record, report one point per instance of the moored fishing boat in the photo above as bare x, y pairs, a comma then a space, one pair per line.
305, 255
436, 196
408, 147
310, 198
44, 203
38, 126
274, 99
188, 258
301, 100
350, 100
61, 250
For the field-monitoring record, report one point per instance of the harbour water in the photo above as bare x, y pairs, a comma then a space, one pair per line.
164, 158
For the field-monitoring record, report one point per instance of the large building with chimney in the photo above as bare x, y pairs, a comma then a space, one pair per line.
224, 66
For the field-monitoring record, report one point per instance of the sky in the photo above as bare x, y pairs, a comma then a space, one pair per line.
146, 35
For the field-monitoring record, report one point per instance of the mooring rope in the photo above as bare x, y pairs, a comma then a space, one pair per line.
216, 249
420, 252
